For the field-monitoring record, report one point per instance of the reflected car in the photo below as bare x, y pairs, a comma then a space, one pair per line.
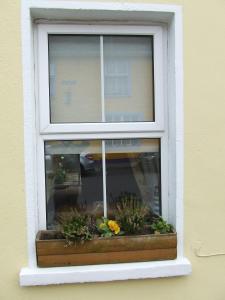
87, 164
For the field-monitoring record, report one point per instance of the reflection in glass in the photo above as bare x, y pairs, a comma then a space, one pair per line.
73, 179
133, 168
128, 78
74, 176
74, 78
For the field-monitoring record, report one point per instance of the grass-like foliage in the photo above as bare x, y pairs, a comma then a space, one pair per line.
131, 213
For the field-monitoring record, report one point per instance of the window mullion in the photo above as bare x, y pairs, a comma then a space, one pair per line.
104, 179
102, 79
103, 120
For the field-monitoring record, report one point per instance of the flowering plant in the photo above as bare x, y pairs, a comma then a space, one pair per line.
108, 228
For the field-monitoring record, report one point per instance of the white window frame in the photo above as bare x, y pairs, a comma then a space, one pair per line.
43, 78
70, 131
165, 16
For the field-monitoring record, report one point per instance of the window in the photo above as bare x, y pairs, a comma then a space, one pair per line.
91, 87
158, 123
117, 78
91, 175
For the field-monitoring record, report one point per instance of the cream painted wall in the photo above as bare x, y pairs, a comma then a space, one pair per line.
204, 67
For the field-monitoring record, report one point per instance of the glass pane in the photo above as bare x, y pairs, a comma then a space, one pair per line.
133, 170
128, 78
74, 78
73, 179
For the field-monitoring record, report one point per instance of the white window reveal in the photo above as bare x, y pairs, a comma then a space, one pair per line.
108, 97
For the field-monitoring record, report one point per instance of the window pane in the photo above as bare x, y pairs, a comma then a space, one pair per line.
128, 78
73, 179
133, 169
74, 78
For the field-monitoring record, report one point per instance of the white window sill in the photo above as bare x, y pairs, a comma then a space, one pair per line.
111, 272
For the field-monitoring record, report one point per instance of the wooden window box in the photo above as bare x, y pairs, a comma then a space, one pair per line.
52, 252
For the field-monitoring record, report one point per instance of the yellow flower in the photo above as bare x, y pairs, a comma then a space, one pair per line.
117, 230
113, 225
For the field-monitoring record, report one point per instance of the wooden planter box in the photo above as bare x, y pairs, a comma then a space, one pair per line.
51, 252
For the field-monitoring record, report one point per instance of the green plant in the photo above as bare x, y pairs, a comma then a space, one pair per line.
60, 176
161, 226
131, 213
107, 228
60, 173
77, 229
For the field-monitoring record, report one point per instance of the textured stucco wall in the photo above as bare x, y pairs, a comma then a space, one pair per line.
204, 70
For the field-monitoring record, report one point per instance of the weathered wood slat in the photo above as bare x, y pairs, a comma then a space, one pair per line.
117, 244
51, 252
106, 258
